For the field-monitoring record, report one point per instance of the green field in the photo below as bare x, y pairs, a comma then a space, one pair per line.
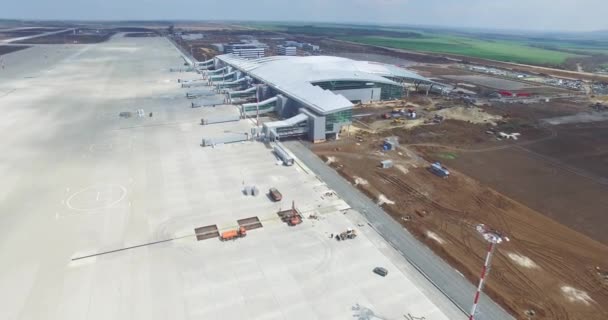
510, 51
576, 46
589, 50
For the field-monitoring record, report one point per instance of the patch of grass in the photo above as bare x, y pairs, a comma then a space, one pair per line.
495, 50
450, 156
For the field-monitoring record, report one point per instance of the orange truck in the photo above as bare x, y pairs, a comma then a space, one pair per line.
294, 220
291, 216
233, 234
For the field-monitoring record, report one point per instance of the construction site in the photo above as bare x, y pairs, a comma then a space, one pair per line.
531, 166
200, 180
525, 155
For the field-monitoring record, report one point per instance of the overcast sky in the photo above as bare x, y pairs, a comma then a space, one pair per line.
549, 15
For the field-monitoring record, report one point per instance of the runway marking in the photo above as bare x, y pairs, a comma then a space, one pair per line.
131, 247
70, 205
101, 147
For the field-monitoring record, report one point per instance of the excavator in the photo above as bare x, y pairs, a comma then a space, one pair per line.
348, 234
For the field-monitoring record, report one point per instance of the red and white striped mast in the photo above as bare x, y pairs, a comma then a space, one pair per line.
493, 238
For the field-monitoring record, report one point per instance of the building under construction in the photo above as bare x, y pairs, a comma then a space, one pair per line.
313, 95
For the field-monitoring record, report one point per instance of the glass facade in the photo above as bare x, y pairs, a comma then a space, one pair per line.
345, 116
388, 91
343, 85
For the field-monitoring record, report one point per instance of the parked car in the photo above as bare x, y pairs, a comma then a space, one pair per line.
380, 271
275, 194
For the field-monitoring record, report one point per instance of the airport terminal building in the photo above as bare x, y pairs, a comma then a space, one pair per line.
313, 95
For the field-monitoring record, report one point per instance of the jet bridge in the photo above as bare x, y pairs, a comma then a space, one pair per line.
262, 107
209, 73
295, 126
221, 77
229, 84
249, 92
204, 65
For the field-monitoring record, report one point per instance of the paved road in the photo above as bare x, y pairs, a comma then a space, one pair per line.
443, 276
35, 36
185, 55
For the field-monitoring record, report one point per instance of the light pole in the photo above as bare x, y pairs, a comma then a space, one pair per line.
493, 237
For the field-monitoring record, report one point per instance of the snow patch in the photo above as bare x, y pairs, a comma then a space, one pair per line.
576, 295
360, 181
433, 236
384, 200
522, 260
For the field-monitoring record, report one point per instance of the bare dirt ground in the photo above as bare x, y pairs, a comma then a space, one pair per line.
544, 176
546, 267
538, 111
582, 145
547, 191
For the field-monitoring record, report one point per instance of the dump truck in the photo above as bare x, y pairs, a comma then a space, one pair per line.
348, 234
275, 195
233, 234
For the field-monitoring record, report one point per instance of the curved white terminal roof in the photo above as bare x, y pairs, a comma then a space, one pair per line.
293, 76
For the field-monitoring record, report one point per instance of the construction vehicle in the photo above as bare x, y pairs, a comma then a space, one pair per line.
439, 170
411, 114
275, 195
397, 121
348, 234
233, 234
292, 216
